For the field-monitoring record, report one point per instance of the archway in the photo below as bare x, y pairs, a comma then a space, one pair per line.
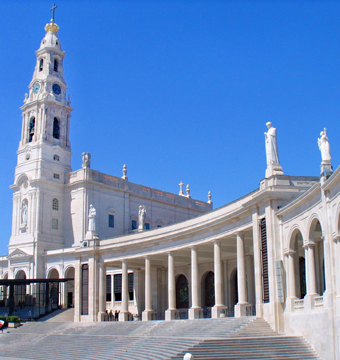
20, 290
296, 245
182, 292
54, 288
315, 236
69, 288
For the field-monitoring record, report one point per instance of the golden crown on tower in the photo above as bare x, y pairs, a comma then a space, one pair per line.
52, 27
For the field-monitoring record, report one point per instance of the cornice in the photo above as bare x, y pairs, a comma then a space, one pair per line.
300, 200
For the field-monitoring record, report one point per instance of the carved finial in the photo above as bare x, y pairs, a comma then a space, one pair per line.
209, 197
69, 99
181, 188
188, 191
124, 172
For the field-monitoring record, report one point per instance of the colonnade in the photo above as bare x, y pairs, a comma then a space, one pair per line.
195, 311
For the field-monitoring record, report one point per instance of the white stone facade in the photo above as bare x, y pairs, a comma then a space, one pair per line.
274, 253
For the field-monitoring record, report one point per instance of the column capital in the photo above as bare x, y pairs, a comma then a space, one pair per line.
217, 242
289, 252
308, 245
194, 247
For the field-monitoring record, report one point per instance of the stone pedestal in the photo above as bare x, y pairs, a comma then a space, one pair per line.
274, 169
195, 313
123, 316
241, 309
148, 315
91, 239
290, 304
309, 301
327, 300
216, 311
170, 314
101, 316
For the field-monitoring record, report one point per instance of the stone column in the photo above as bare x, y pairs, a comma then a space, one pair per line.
195, 310
240, 307
257, 264
170, 314
148, 312
310, 276
218, 279
77, 290
102, 291
124, 312
291, 283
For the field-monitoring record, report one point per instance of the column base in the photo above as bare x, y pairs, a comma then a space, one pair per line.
290, 304
242, 310
217, 310
309, 301
101, 316
171, 314
195, 313
148, 315
123, 316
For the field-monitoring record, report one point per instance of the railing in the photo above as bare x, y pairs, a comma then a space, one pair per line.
299, 305
318, 302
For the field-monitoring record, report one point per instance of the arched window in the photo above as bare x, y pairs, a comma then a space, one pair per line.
41, 65
31, 129
56, 128
55, 204
55, 65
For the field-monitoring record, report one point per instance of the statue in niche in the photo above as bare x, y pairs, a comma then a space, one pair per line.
324, 147
86, 160
92, 215
24, 209
141, 217
271, 145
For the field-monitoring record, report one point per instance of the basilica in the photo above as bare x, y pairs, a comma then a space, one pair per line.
112, 245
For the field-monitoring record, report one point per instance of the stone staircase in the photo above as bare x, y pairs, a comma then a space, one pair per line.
228, 338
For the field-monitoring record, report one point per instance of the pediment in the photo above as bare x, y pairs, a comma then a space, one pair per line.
18, 254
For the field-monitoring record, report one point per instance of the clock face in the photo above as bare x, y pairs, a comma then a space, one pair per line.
36, 88
56, 89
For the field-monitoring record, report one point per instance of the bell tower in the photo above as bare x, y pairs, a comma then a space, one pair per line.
44, 159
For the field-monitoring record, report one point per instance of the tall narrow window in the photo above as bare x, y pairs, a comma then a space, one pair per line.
55, 204
41, 65
133, 224
31, 129
56, 128
55, 65
111, 221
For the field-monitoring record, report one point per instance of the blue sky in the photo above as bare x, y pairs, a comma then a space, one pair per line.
181, 90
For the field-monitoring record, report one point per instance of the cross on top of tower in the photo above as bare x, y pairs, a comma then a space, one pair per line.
53, 11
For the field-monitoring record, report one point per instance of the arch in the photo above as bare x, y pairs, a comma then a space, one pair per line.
56, 128
316, 238
208, 286
55, 204
314, 225
31, 129
69, 291
55, 65
53, 273
41, 65
22, 179
20, 274
5, 276
294, 230
182, 292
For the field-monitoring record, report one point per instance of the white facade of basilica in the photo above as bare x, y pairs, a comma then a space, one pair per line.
274, 253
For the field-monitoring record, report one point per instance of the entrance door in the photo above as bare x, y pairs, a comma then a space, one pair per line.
70, 299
